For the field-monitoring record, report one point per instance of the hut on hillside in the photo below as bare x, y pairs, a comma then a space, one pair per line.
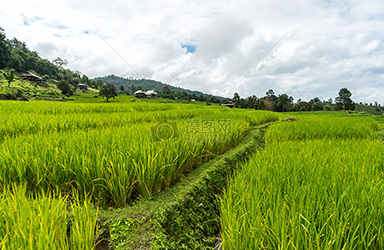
82, 86
31, 77
145, 94
150, 93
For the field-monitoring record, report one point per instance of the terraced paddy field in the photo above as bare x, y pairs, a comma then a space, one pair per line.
63, 164
140, 175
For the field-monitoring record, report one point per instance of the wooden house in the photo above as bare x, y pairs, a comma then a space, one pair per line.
31, 77
145, 94
82, 86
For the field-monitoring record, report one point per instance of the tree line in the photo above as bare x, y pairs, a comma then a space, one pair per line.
271, 101
285, 103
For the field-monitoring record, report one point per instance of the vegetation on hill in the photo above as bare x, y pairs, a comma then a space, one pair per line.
130, 85
16, 58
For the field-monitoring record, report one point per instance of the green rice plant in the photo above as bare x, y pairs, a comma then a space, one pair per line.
109, 162
318, 184
53, 117
109, 151
43, 222
318, 127
83, 225
319, 194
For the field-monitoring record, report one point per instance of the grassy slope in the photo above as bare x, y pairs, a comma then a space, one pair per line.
34, 91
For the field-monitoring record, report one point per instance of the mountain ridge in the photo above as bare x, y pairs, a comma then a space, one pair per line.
147, 84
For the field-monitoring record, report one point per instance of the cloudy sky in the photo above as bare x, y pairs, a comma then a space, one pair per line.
304, 48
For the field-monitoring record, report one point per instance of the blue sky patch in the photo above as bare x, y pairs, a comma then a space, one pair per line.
190, 47
27, 21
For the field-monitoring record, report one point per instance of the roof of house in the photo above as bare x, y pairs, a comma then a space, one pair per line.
29, 74
228, 103
149, 92
139, 92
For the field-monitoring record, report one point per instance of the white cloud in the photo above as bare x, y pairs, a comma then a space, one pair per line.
328, 44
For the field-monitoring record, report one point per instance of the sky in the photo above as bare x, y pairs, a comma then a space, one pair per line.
303, 48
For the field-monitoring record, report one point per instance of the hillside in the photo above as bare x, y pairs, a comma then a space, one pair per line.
16, 57
26, 90
20, 89
147, 84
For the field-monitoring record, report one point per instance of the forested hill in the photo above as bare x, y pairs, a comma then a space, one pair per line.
15, 55
146, 84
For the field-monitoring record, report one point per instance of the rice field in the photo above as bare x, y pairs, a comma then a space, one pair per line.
111, 151
318, 184
60, 161
45, 222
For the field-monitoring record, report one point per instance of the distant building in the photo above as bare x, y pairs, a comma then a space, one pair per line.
82, 86
228, 104
145, 94
151, 93
31, 77
140, 94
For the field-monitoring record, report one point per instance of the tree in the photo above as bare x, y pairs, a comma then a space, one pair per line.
5, 53
165, 90
283, 103
236, 98
133, 89
108, 91
271, 95
344, 101
316, 104
85, 79
65, 88
9, 76
59, 62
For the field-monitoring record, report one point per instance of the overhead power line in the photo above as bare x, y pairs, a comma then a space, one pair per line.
122, 58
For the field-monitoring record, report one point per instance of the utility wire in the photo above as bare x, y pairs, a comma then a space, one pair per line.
122, 58
257, 63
